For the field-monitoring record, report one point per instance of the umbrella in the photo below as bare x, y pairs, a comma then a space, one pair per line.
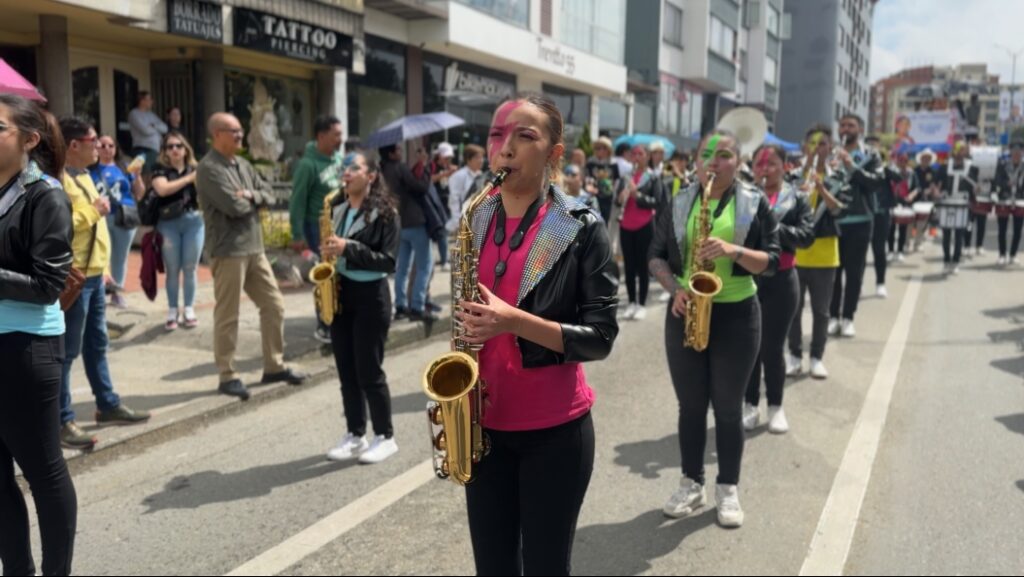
13, 83
646, 140
787, 146
409, 127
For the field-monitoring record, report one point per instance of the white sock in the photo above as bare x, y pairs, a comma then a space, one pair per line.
172, 315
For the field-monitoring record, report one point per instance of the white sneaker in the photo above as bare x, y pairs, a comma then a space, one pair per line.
849, 331
350, 447
882, 292
980, 251
890, 257
380, 450
730, 514
818, 370
1013, 261
640, 313
794, 365
777, 423
751, 417
664, 298
955, 270
630, 313
901, 257
687, 500
833, 327
1001, 261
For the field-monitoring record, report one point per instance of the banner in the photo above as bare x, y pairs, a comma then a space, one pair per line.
928, 128
1005, 100
1017, 109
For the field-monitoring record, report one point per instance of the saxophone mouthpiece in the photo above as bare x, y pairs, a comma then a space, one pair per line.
499, 176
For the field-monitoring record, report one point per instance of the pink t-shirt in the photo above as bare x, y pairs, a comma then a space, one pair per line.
633, 217
787, 260
520, 399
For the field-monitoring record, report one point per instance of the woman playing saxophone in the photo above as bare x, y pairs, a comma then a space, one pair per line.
740, 239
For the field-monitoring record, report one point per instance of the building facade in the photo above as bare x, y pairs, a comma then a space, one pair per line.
827, 64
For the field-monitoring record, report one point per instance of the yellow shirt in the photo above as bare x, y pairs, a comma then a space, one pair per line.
84, 216
824, 253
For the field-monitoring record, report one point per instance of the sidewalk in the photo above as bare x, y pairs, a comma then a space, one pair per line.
173, 374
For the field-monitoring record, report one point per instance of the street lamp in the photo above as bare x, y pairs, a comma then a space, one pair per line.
1013, 82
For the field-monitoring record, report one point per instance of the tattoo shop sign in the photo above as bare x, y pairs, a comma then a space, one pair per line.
291, 38
195, 19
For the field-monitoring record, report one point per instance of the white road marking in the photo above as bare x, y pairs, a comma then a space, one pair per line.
321, 533
833, 538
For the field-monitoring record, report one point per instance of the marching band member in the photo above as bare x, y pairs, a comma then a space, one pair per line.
549, 290
1010, 184
641, 193
958, 180
862, 169
779, 295
902, 180
818, 264
365, 242
928, 178
744, 241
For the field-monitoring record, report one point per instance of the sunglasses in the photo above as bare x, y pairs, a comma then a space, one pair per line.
87, 139
175, 146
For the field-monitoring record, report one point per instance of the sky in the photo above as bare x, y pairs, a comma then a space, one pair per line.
910, 33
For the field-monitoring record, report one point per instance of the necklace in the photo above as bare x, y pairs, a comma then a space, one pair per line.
517, 238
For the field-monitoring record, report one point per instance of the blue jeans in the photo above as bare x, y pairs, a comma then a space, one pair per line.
182, 247
442, 247
415, 247
120, 246
86, 335
311, 232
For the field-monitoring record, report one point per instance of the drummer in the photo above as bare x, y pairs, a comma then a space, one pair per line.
928, 175
958, 180
1010, 186
906, 191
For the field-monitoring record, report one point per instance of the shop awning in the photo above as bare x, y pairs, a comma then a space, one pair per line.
13, 83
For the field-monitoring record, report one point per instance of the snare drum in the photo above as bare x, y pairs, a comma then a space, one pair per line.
1004, 209
982, 205
1018, 208
903, 215
923, 211
954, 214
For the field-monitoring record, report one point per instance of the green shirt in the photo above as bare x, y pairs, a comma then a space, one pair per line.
734, 288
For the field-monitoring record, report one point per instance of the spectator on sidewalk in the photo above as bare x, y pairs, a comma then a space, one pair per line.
316, 175
578, 158
441, 170
86, 318
230, 194
181, 226
603, 171
462, 185
414, 248
147, 129
124, 188
174, 119
35, 258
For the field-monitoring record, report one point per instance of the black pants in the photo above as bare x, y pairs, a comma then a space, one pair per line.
980, 224
779, 296
902, 229
717, 376
953, 245
604, 205
1018, 227
30, 437
358, 336
634, 254
819, 282
524, 505
853, 258
883, 221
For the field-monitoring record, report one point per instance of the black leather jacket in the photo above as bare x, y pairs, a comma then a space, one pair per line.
35, 238
372, 240
579, 291
795, 218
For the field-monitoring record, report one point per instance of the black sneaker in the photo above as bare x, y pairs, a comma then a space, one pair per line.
427, 316
286, 376
401, 314
73, 437
434, 307
121, 416
323, 335
234, 388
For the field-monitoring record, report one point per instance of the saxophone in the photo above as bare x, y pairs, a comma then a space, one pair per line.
452, 381
704, 283
325, 283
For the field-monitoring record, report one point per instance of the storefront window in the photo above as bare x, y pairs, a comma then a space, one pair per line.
277, 114
469, 92
378, 97
644, 112
612, 117
512, 11
85, 86
596, 27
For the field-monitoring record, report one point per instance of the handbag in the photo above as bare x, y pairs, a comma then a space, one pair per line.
127, 217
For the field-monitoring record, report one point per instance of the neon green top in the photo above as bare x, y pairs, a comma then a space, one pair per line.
734, 288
